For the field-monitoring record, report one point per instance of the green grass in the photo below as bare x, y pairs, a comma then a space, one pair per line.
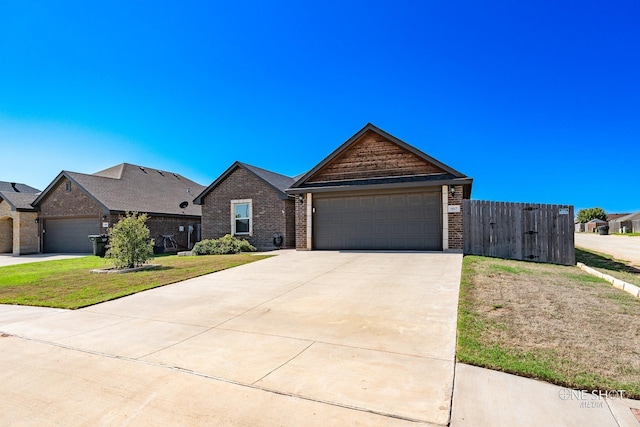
607, 264
500, 300
69, 284
509, 269
628, 234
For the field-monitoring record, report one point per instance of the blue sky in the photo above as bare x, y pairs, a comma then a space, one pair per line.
537, 101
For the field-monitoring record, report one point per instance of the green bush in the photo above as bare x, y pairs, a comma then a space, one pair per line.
130, 242
224, 245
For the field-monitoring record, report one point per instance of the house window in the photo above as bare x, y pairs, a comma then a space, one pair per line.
241, 222
67, 186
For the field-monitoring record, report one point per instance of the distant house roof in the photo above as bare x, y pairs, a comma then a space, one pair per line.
612, 217
14, 187
279, 182
18, 196
597, 221
127, 187
19, 201
628, 217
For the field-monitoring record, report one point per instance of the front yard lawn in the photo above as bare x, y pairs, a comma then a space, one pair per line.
555, 323
69, 284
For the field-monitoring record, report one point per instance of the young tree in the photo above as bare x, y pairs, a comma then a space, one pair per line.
586, 215
130, 242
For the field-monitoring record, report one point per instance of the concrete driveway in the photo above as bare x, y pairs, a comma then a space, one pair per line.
622, 247
8, 259
303, 338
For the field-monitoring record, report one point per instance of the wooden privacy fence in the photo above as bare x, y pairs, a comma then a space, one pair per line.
522, 231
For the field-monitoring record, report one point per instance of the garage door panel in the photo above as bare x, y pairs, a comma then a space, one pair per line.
399, 215
367, 215
382, 201
414, 229
69, 235
367, 202
414, 200
395, 221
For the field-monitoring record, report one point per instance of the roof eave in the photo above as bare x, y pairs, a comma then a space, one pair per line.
389, 186
152, 214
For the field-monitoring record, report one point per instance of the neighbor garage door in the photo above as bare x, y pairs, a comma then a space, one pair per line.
393, 221
70, 235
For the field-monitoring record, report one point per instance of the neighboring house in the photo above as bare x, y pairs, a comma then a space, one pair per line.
613, 217
592, 225
373, 192
628, 223
250, 203
18, 219
76, 205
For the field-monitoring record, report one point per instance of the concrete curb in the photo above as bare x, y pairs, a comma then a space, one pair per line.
617, 283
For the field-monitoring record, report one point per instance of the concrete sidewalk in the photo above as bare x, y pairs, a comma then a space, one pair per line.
486, 398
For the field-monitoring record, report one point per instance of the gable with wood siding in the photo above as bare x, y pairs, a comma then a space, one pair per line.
374, 156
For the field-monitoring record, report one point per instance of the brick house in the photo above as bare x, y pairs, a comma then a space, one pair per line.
249, 203
18, 219
374, 192
76, 205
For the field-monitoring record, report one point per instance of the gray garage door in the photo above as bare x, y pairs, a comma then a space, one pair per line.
70, 235
394, 221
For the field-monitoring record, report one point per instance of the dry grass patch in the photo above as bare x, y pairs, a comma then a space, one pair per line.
550, 322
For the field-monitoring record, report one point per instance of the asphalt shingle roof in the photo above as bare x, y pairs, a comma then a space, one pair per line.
19, 201
629, 217
127, 187
19, 196
281, 182
8, 187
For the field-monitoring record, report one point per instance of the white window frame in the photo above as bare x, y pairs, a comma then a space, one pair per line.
233, 216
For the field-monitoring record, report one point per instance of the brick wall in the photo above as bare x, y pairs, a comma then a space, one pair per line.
25, 233
290, 224
166, 225
18, 231
455, 220
159, 226
62, 203
270, 214
301, 223
6, 228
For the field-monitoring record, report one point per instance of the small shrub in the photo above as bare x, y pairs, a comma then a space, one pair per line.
130, 242
224, 245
